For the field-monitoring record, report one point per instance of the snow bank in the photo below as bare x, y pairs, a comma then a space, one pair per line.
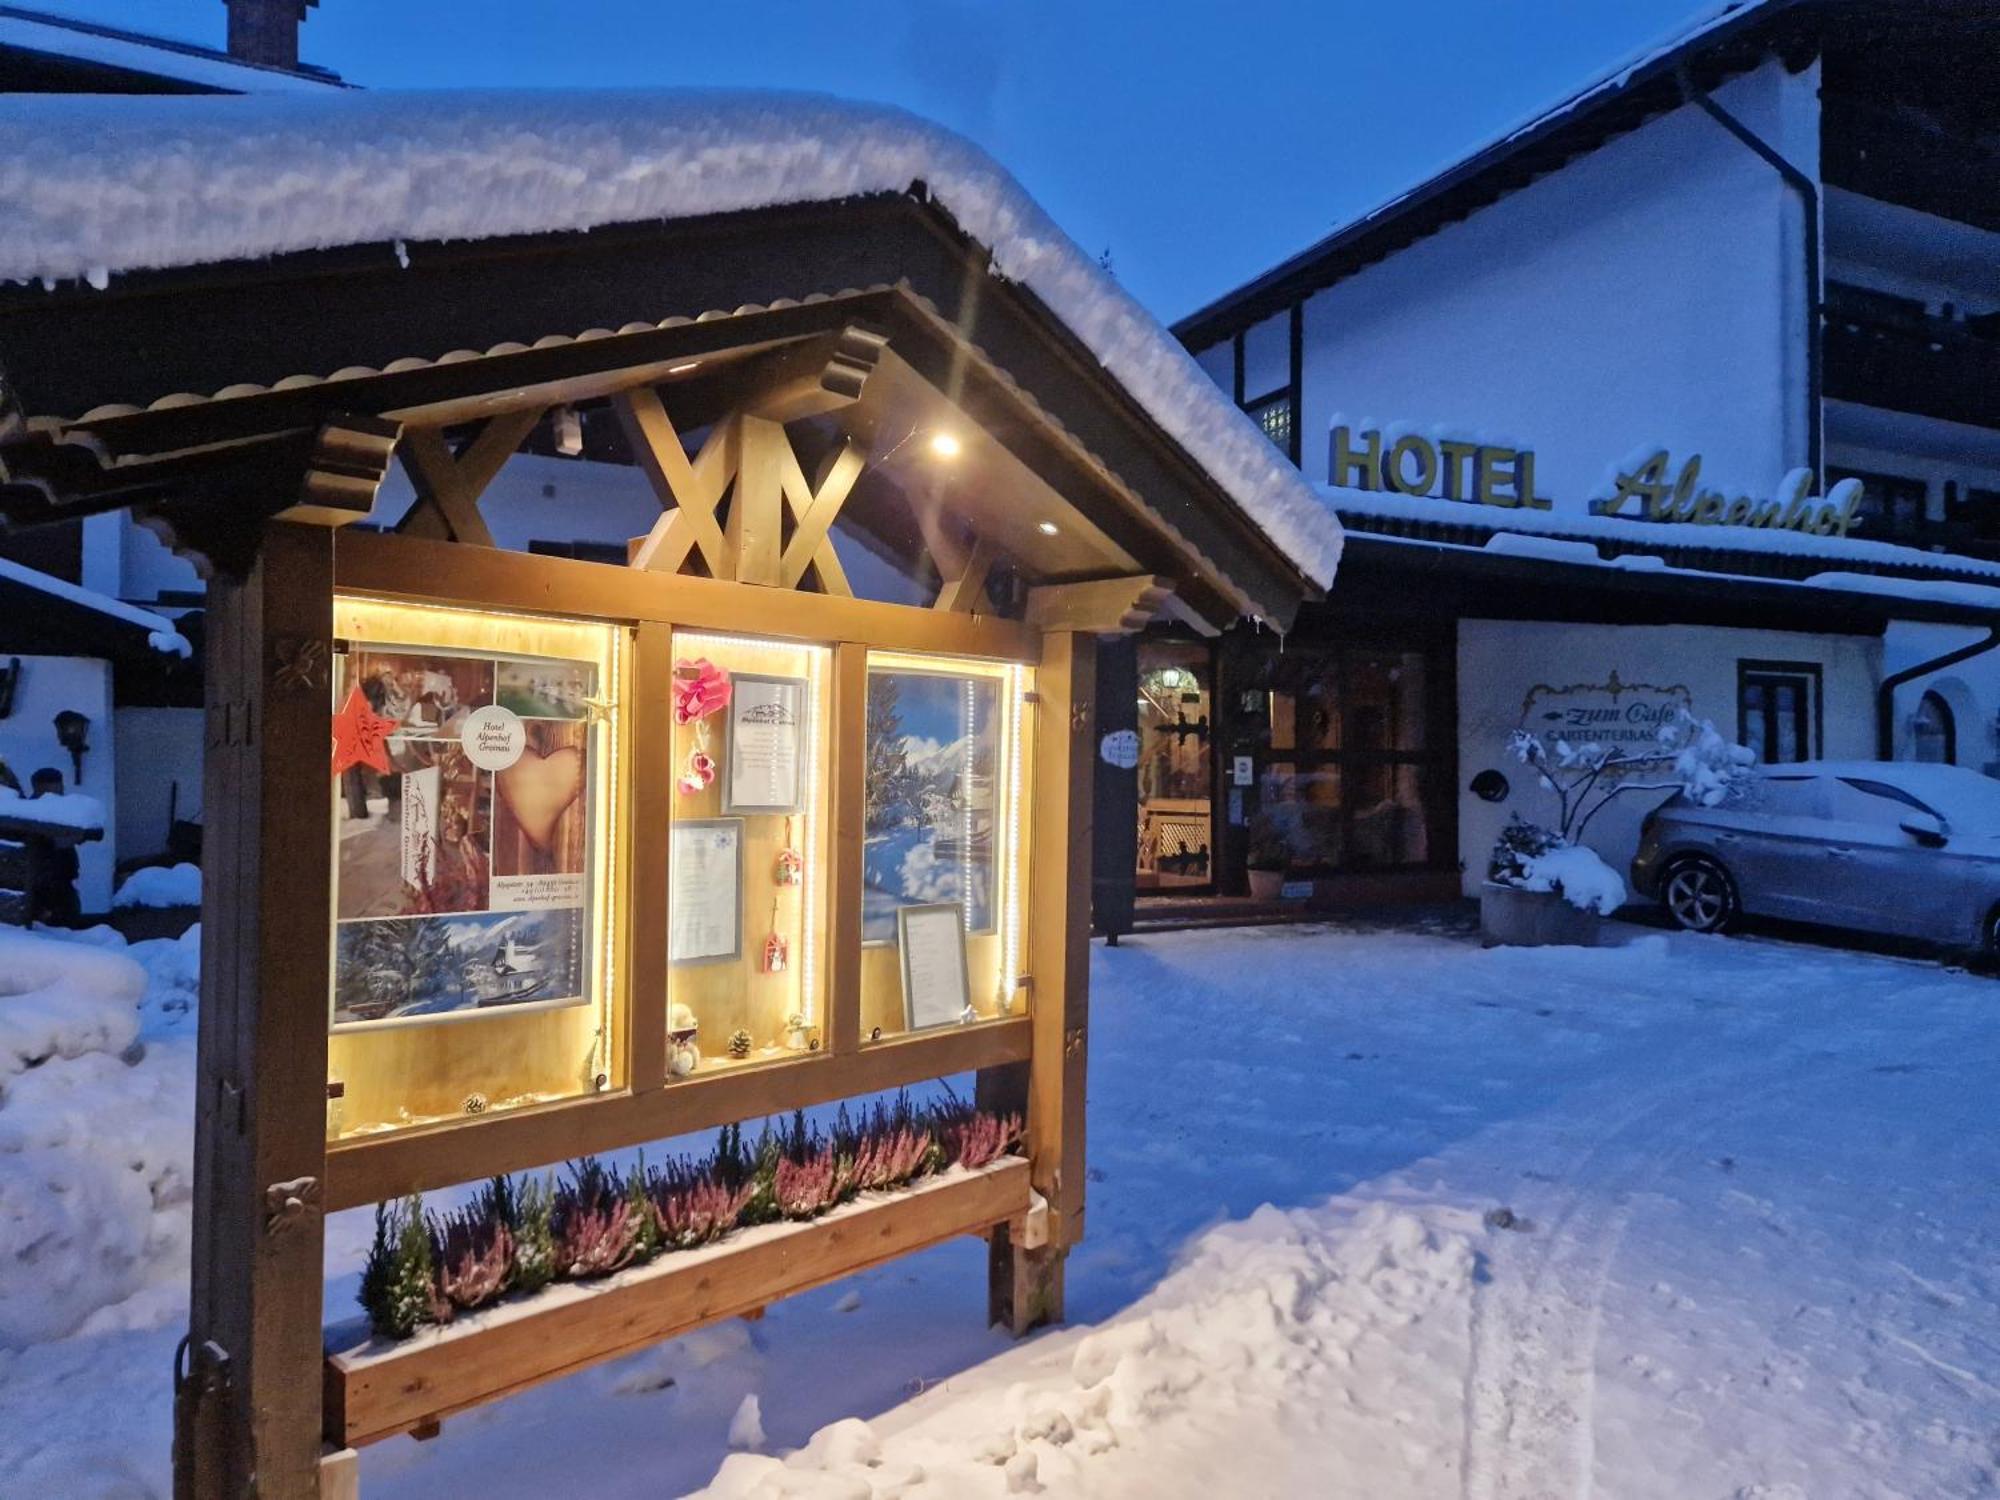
95, 186
61, 999
161, 885
1335, 1309
95, 1134
1584, 880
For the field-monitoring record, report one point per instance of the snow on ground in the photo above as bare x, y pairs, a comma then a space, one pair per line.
1690, 1218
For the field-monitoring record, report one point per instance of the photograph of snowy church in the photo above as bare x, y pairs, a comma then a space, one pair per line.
1313, 694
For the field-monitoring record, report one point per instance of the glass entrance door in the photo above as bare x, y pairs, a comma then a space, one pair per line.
1176, 766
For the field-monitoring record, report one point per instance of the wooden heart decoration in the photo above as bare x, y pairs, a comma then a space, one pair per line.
539, 789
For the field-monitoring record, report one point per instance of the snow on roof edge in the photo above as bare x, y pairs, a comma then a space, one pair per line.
1651, 534
98, 186
160, 632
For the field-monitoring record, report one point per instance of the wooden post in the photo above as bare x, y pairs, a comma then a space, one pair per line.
247, 1413
1025, 1286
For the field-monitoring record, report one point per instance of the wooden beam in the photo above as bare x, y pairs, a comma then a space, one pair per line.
1108, 606
375, 1394
482, 578
448, 487
688, 492
349, 461
1025, 1285
644, 910
374, 1169
260, 1121
967, 592
847, 796
756, 524
813, 509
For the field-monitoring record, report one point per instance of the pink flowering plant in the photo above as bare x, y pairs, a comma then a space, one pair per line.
516, 1236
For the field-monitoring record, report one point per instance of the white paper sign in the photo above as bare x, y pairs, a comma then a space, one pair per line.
935, 989
767, 718
705, 919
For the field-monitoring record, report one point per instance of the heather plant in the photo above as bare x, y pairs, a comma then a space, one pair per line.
517, 1235
475, 1257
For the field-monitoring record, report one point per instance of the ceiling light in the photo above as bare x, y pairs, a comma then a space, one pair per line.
1046, 528
684, 367
945, 445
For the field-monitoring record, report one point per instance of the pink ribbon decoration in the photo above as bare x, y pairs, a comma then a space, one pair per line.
700, 689
700, 772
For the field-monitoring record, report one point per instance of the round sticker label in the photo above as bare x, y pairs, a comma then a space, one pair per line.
1120, 748
493, 737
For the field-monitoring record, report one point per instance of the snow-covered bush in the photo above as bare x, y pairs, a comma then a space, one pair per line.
160, 885
1687, 756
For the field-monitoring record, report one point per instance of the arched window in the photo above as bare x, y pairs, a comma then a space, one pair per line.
1936, 731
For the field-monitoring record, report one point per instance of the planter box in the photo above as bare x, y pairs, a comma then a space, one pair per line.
378, 1388
1511, 917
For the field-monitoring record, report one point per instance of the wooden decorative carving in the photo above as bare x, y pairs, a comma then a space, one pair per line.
300, 665
289, 1203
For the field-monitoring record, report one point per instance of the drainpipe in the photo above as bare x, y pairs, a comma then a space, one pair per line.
1808, 192
1885, 695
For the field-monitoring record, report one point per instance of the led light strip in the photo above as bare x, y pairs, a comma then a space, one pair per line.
1010, 939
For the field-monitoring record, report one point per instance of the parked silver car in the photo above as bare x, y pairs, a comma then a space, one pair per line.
1894, 847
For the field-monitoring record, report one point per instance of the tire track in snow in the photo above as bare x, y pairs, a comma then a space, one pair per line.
1532, 1374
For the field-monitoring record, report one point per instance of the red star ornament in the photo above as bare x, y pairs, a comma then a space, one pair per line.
360, 735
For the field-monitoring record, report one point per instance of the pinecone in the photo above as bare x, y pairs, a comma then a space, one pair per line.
739, 1043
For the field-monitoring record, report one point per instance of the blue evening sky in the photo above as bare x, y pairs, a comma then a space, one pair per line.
1199, 142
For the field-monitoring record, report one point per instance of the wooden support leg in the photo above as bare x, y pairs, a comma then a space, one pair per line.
247, 1415
1024, 1288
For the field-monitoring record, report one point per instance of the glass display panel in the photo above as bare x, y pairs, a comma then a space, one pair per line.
747, 859
1176, 770
475, 759
942, 847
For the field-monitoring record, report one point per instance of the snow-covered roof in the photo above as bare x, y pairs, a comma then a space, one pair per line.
99, 186
160, 632
152, 57
1518, 531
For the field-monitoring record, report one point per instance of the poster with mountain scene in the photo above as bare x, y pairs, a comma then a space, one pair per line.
932, 801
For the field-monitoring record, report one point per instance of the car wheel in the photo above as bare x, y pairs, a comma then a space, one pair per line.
1699, 895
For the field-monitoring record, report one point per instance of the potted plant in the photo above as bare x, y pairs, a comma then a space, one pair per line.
1544, 885
1269, 857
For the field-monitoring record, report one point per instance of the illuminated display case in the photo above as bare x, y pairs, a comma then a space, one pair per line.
473, 851
747, 862
943, 857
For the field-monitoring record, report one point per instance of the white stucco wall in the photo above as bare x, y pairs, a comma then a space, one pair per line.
1971, 689
1651, 292
50, 684
158, 748
1501, 661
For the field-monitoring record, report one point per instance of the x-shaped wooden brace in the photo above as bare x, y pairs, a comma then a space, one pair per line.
812, 513
688, 492
448, 488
